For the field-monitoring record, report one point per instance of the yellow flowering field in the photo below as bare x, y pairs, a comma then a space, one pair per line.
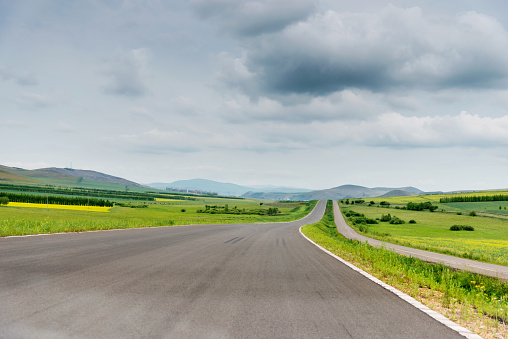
61, 207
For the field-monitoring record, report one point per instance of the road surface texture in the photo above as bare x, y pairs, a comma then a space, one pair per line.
448, 260
214, 281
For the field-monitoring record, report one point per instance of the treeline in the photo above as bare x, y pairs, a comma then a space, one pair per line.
475, 198
217, 209
95, 192
56, 200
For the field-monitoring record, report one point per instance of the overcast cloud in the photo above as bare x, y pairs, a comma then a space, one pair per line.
299, 93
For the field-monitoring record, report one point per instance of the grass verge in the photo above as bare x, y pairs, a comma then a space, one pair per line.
474, 301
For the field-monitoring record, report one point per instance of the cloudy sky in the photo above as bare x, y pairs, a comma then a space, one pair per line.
300, 93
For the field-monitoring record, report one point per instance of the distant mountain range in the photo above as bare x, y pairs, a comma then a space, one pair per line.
286, 193
221, 188
87, 178
336, 193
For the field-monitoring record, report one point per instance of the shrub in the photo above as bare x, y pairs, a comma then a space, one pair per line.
472, 214
421, 206
183, 210
397, 221
363, 228
4, 201
386, 217
349, 213
461, 228
459, 213
412, 221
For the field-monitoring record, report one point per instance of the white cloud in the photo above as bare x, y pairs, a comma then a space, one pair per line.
342, 105
64, 127
397, 131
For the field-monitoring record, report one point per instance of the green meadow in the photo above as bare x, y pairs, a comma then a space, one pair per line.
431, 230
22, 221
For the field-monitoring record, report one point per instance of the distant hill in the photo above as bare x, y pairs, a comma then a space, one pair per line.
397, 193
336, 193
9, 177
90, 175
409, 189
221, 188
67, 177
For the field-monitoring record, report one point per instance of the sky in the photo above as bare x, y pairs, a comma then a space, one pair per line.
300, 93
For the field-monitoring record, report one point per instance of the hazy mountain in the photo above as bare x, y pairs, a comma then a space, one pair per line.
336, 193
407, 189
63, 176
398, 193
90, 175
222, 188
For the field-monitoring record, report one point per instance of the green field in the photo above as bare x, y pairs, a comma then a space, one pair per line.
20, 221
488, 242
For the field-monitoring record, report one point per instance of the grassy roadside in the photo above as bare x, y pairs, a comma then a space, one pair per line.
23, 221
476, 302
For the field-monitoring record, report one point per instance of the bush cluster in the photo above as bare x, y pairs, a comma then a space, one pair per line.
359, 218
461, 228
413, 206
218, 209
396, 221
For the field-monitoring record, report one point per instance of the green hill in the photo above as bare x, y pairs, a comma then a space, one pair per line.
68, 177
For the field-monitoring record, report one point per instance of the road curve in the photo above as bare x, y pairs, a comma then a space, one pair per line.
492, 270
213, 281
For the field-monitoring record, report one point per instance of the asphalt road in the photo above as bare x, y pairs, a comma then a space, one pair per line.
216, 281
492, 270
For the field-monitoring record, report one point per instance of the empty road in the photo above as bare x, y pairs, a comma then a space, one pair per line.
213, 281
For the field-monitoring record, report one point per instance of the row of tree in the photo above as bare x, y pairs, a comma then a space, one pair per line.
57, 200
475, 198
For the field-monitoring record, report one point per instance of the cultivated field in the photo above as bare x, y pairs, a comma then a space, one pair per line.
130, 210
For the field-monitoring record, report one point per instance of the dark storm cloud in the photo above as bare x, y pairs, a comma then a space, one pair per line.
395, 48
250, 18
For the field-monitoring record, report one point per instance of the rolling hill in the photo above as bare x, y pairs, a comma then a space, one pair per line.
67, 177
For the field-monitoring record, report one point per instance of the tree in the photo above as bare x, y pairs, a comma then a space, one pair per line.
4, 201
